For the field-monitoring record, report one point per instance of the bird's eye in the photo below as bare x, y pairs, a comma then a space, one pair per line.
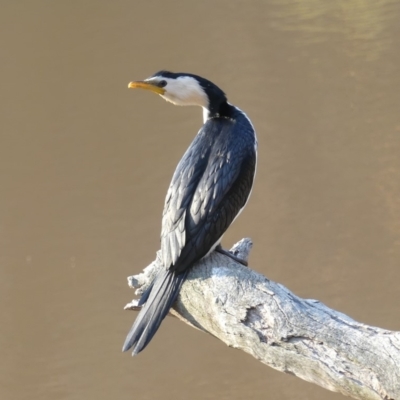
162, 83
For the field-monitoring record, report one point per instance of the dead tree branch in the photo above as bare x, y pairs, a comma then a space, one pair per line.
302, 337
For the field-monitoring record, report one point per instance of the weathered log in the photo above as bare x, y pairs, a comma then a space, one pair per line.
302, 337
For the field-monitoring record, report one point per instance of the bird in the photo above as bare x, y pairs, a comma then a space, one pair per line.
209, 188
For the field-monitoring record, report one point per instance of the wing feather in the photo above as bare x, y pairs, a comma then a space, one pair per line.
209, 187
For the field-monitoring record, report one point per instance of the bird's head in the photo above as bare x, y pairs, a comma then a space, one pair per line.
183, 89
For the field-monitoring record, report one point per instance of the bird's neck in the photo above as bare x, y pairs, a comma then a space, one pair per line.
205, 114
221, 109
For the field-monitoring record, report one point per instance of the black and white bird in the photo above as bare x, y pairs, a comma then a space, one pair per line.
209, 189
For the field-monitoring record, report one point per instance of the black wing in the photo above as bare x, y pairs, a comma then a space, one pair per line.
210, 186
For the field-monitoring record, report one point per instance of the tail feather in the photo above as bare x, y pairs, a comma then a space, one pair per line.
158, 299
145, 294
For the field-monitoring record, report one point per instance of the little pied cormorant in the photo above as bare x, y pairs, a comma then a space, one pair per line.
209, 189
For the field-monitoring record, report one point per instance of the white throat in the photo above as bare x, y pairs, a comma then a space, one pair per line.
185, 91
206, 113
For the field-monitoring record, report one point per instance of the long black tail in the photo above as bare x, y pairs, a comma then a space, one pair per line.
158, 299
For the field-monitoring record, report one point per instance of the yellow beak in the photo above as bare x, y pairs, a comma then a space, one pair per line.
146, 86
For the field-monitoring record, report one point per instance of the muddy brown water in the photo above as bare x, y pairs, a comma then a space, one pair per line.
85, 164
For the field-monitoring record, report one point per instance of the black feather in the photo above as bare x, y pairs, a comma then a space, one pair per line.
159, 299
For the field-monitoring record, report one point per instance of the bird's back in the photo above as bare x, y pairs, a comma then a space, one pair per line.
210, 186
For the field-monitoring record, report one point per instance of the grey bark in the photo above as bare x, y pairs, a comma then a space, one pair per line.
302, 337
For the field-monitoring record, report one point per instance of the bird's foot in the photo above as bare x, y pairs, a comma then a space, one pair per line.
231, 255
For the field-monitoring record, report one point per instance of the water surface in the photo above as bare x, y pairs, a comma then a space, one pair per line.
85, 165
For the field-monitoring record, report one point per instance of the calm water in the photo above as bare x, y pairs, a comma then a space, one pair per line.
85, 165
